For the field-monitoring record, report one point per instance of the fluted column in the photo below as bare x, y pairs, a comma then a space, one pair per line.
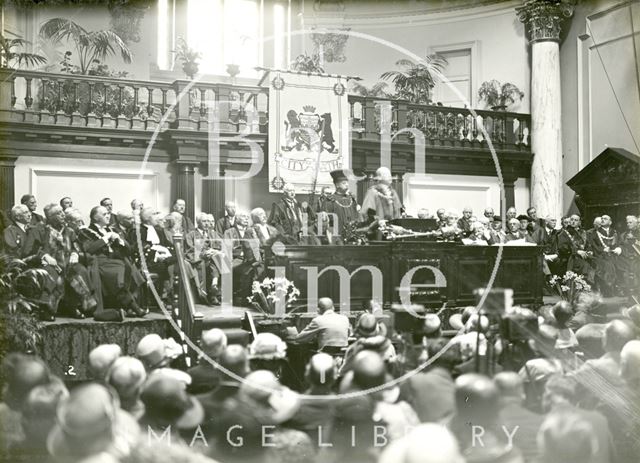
185, 188
543, 20
7, 191
213, 195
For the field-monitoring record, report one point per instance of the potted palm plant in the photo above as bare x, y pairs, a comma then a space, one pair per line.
91, 46
414, 81
188, 56
499, 96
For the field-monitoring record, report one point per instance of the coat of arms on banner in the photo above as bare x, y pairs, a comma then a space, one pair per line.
308, 131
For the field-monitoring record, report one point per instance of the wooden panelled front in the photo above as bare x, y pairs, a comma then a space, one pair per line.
464, 268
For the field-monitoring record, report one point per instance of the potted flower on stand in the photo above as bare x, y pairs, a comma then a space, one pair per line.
188, 56
499, 96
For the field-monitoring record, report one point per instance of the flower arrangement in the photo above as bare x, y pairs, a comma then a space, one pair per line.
265, 296
570, 286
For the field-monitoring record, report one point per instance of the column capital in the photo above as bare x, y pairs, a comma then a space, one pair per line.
543, 18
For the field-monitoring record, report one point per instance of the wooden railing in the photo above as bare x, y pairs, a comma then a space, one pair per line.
184, 309
106, 102
113, 103
441, 125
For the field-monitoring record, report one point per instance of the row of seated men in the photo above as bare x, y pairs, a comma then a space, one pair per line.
608, 259
99, 269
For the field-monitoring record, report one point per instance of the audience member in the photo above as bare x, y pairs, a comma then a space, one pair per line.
100, 360
327, 329
127, 376
204, 377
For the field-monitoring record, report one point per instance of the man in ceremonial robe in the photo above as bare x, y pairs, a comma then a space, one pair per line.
381, 198
340, 208
629, 259
119, 277
516, 232
74, 221
157, 249
573, 249
287, 216
603, 242
51, 245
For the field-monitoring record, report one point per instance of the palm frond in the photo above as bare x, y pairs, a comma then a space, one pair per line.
108, 43
58, 29
30, 59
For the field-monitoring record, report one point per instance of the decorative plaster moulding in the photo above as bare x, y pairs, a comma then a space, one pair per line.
411, 18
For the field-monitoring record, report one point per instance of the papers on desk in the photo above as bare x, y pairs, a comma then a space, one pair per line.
520, 242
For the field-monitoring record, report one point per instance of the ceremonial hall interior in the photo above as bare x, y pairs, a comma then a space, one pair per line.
320, 231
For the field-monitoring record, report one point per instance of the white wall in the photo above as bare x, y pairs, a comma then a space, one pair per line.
87, 181
598, 39
433, 191
494, 31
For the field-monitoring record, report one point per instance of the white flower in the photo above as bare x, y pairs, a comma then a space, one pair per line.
564, 288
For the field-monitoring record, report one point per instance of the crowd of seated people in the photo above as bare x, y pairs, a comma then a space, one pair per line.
238, 405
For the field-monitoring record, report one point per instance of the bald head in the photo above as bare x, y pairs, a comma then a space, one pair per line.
510, 385
476, 398
321, 371
324, 304
616, 334
235, 359
630, 362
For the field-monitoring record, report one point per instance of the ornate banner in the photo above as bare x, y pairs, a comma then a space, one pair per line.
308, 117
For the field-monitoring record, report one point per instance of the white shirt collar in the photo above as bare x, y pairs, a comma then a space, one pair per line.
21, 226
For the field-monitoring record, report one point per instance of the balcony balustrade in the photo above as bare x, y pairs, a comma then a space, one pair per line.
47, 99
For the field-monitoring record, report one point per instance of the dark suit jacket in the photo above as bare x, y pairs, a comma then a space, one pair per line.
14, 240
431, 394
36, 219
223, 224
246, 248
204, 378
281, 218
514, 414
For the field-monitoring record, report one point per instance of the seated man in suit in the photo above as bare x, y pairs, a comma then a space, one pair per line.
228, 220
203, 252
327, 329
242, 245
123, 225
516, 232
119, 277
291, 220
15, 234
107, 203
180, 206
